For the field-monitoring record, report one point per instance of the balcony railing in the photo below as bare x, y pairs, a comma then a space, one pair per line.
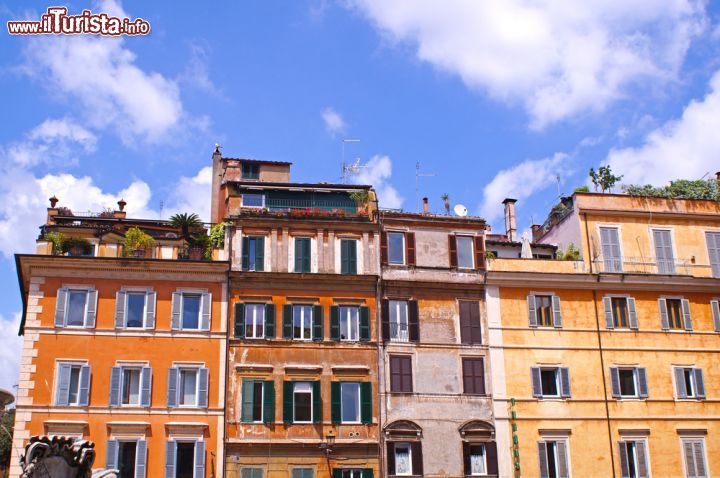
652, 265
399, 332
272, 204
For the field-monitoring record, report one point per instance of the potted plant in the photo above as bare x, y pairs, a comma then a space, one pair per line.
186, 223
76, 246
446, 202
361, 199
137, 241
56, 239
200, 247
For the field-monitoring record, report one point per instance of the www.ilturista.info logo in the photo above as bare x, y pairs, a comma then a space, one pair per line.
57, 22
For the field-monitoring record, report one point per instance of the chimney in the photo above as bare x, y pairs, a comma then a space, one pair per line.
216, 196
52, 210
510, 226
535, 228
717, 177
120, 214
425, 205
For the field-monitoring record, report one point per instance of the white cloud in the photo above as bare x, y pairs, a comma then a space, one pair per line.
685, 148
555, 57
377, 172
53, 141
334, 122
520, 182
192, 195
196, 73
10, 346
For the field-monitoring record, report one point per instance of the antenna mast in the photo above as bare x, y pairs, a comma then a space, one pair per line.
353, 168
418, 175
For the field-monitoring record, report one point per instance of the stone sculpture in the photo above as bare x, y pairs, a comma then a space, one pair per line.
60, 457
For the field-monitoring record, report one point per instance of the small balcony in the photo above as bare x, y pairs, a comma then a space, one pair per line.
399, 332
652, 265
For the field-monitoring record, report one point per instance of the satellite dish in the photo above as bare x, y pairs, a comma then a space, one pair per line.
460, 210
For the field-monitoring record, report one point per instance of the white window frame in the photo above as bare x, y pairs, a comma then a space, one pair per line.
73, 364
181, 391
618, 227
694, 438
123, 369
262, 399
558, 385
635, 439
627, 306
127, 439
472, 251
128, 292
254, 307
403, 248
303, 319
672, 246
310, 385
70, 290
183, 439
252, 467
484, 456
347, 316
253, 194
693, 384
359, 403
408, 446
636, 385
555, 440
183, 294
398, 337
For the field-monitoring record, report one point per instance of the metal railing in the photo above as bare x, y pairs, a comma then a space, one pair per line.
399, 332
651, 265
324, 205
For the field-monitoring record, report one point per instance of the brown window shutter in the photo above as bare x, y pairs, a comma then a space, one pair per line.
413, 321
417, 460
407, 385
410, 248
475, 324
473, 376
480, 252
383, 248
492, 460
395, 374
465, 324
391, 458
452, 249
385, 318
466, 457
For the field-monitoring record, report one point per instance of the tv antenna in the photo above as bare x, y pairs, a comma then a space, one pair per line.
419, 175
351, 168
162, 204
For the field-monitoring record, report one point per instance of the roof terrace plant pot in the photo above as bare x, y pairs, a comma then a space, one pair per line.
77, 247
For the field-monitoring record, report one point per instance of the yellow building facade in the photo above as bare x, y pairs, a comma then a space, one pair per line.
604, 366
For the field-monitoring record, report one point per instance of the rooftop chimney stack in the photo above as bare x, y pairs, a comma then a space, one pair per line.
216, 215
510, 225
425, 206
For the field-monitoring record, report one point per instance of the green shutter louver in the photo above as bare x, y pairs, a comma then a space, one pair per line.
335, 403
287, 321
288, 401
317, 322
239, 320
364, 324
246, 413
245, 253
317, 402
334, 322
260, 253
366, 410
270, 321
269, 401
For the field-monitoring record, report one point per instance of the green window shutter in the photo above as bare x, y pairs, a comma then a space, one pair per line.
287, 321
287, 402
260, 253
364, 324
337, 473
317, 402
352, 257
298, 254
246, 413
269, 401
344, 256
317, 322
239, 320
269, 321
306, 255
366, 410
335, 405
245, 255
367, 473
302, 254
334, 322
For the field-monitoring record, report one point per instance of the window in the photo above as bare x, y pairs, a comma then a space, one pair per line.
254, 321
633, 460
396, 247
129, 456
403, 459
551, 382
253, 253
465, 252
553, 458
470, 328
187, 387
185, 459
191, 310
544, 310
689, 382
135, 309
675, 314
401, 374
302, 473
473, 376
251, 473
302, 402
628, 382
620, 312
693, 450
302, 254
348, 256
399, 321
73, 382
713, 242
258, 401
350, 402
346, 473
253, 200
75, 307
130, 386
475, 459
664, 251
610, 243
250, 171
302, 322
349, 323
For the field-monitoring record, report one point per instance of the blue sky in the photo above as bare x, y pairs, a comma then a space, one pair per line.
494, 99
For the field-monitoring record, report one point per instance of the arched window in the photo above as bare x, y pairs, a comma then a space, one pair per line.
404, 448
479, 448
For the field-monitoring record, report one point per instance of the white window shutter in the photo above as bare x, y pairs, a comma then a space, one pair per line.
60, 307
62, 390
607, 305
715, 306
202, 399
115, 377
141, 459
205, 311
111, 455
176, 310
557, 312
664, 322
150, 301
84, 386
632, 314
120, 308
172, 389
145, 386
532, 312
91, 309
680, 382
199, 459
687, 319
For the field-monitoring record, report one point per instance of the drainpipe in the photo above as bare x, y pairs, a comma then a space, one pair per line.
380, 355
600, 348
229, 233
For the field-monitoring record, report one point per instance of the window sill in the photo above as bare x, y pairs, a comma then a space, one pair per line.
401, 393
552, 399
630, 399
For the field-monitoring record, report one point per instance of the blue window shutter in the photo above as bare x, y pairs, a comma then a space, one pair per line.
115, 375
245, 264
120, 297
642, 382
172, 389
270, 321
150, 301
62, 391
145, 386
532, 312
607, 305
632, 314
199, 459
565, 381
170, 458
84, 392
687, 319
202, 399
111, 455
542, 454
176, 310
557, 312
624, 466
536, 385
260, 254
91, 309
699, 383
615, 381
60, 306
141, 459
206, 310
364, 324
680, 382
246, 410
664, 322
715, 306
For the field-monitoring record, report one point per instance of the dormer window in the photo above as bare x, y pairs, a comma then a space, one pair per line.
250, 171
